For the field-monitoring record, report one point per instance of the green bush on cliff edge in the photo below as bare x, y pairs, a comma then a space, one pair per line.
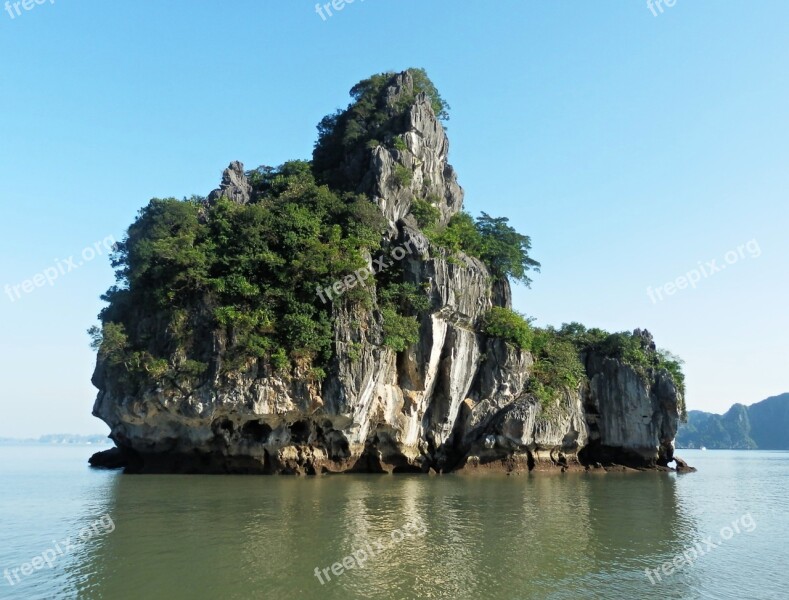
559, 353
244, 276
510, 326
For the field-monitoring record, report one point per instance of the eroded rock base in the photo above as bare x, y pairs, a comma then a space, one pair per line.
311, 460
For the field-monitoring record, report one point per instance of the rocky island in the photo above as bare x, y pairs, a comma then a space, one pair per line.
760, 426
345, 314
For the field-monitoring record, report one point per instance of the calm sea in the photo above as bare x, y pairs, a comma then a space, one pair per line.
69, 532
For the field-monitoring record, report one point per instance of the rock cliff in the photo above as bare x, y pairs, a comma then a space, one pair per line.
456, 399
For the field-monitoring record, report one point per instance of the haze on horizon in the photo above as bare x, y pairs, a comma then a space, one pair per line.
635, 150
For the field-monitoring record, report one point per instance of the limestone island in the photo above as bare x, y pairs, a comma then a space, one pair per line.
345, 314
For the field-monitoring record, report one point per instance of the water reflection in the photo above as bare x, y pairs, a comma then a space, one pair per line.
554, 537
541, 536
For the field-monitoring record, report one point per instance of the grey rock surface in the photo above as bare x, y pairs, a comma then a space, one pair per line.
234, 185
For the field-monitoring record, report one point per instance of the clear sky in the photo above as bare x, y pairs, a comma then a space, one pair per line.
630, 147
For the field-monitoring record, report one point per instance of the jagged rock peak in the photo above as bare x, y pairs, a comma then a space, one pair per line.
647, 340
390, 145
423, 152
234, 186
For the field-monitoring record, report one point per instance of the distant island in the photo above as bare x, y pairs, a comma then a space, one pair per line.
760, 426
60, 438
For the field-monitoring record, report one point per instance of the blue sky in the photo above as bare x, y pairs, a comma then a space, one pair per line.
629, 146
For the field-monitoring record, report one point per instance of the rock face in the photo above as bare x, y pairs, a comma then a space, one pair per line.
455, 400
234, 185
425, 155
627, 415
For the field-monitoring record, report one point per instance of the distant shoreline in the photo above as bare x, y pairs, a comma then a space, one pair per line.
58, 439
737, 449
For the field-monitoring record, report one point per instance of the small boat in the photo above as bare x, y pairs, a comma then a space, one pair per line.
703, 448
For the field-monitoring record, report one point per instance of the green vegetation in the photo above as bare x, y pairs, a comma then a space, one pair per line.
406, 296
399, 143
246, 273
557, 363
399, 331
459, 235
510, 326
423, 85
366, 119
503, 250
400, 304
558, 353
633, 349
110, 341
425, 212
355, 351
629, 347
113, 347
557, 367
403, 175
